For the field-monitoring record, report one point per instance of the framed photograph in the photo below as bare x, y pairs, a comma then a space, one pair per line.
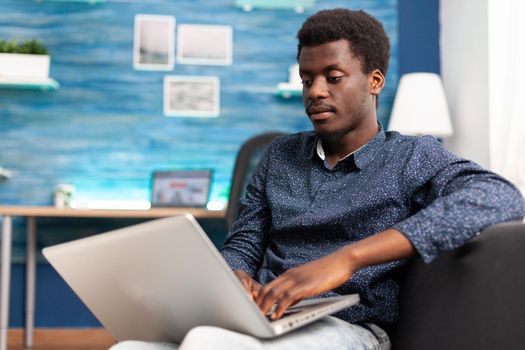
191, 96
180, 188
154, 42
204, 44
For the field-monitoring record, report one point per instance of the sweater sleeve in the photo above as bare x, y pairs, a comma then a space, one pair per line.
455, 200
245, 244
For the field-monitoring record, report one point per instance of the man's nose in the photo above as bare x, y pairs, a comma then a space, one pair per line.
319, 89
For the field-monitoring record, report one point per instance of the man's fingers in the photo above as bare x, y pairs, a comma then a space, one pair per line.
281, 309
249, 284
266, 298
272, 293
256, 288
246, 284
291, 297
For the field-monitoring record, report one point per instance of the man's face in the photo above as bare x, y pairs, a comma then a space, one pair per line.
338, 97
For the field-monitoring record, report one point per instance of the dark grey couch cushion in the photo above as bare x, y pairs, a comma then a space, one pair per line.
469, 298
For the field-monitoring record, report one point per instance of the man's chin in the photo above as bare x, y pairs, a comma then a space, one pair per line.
330, 136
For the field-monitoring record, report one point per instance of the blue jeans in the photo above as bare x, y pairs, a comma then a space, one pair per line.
327, 333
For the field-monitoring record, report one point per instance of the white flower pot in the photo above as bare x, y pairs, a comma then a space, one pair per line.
14, 65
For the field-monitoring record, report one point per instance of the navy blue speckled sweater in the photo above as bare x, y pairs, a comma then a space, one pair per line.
297, 209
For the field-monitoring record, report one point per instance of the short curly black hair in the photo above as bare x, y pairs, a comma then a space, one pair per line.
366, 35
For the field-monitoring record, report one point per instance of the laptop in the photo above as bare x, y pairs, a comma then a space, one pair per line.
180, 188
156, 280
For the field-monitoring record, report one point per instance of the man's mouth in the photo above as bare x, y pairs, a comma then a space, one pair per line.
320, 112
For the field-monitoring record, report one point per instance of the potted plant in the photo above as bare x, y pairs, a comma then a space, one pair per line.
26, 60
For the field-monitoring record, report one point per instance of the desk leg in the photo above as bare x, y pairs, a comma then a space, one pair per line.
6, 272
30, 281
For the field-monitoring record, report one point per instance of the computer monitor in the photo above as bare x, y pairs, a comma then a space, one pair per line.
180, 188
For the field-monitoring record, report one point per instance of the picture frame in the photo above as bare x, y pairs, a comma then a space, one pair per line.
154, 42
191, 96
204, 44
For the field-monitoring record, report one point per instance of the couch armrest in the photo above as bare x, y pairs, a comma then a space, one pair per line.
469, 298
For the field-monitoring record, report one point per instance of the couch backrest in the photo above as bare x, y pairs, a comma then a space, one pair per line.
469, 298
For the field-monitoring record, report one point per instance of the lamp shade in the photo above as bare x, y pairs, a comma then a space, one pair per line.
420, 106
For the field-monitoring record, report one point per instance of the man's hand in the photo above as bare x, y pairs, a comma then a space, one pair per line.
304, 281
251, 286
331, 271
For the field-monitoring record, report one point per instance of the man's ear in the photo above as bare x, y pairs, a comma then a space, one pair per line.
377, 82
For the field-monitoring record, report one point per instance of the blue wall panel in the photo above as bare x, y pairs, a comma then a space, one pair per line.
418, 36
104, 130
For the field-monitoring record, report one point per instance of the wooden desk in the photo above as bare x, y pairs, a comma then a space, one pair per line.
34, 212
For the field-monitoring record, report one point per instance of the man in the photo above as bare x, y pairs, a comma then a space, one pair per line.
338, 210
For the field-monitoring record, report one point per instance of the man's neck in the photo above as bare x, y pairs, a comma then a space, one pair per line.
349, 143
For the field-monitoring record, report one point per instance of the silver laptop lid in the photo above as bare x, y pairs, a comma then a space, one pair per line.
156, 280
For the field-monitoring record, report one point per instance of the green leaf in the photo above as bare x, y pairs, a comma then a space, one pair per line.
33, 47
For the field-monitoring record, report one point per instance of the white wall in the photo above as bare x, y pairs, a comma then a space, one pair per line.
465, 73
482, 53
507, 89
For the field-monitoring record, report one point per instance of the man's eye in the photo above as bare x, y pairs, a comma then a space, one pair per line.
306, 83
334, 79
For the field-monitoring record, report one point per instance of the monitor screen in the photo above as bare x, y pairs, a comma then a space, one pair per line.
180, 188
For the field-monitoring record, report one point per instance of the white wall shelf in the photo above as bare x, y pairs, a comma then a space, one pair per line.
287, 90
44, 84
79, 1
297, 5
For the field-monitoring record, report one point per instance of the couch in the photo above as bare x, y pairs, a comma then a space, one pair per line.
469, 298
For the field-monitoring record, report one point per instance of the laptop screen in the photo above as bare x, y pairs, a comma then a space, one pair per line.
180, 188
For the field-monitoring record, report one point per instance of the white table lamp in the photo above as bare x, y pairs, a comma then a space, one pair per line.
420, 106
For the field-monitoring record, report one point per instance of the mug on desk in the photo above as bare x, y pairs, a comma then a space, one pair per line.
64, 195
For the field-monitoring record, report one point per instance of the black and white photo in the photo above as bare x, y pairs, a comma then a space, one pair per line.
154, 42
204, 44
191, 96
